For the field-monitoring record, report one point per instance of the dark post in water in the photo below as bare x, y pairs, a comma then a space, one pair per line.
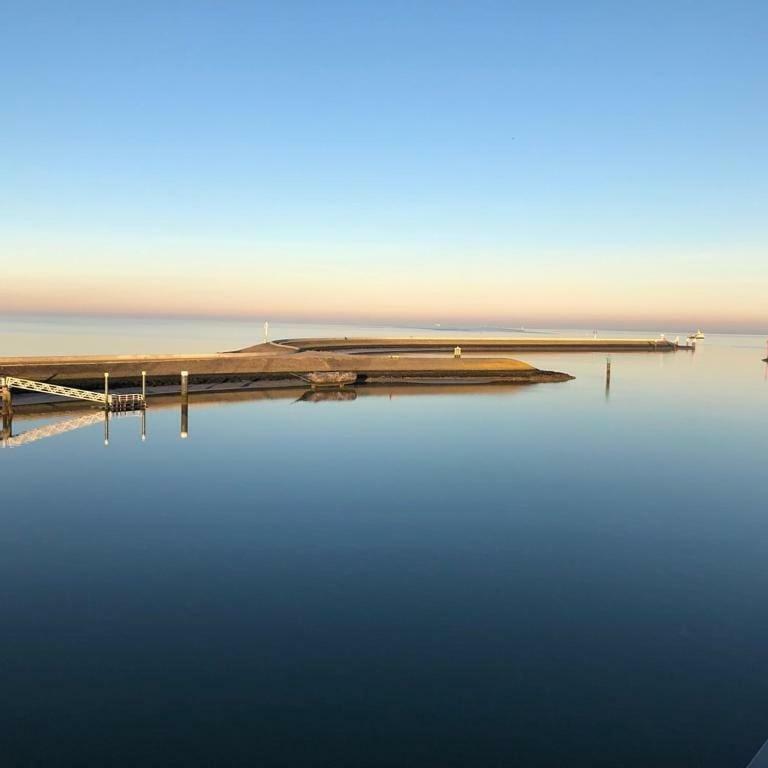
7, 409
607, 374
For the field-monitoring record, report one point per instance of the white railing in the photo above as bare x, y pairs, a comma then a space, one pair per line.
115, 402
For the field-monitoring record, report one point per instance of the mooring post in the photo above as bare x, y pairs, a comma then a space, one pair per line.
144, 387
7, 407
7, 411
106, 390
457, 351
607, 373
184, 404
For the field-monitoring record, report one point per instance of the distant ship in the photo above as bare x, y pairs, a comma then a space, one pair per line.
697, 335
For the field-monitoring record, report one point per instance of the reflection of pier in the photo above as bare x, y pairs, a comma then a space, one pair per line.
213, 399
60, 428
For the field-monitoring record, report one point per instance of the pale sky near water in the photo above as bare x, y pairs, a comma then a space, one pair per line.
558, 163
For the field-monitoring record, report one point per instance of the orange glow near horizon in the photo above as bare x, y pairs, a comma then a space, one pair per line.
388, 285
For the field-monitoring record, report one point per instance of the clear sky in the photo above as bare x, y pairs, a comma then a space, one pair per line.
568, 163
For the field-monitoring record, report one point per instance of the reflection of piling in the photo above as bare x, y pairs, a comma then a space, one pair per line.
106, 426
184, 419
143, 424
607, 375
184, 404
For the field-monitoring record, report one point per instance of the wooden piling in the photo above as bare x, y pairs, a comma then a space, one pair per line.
7, 401
7, 413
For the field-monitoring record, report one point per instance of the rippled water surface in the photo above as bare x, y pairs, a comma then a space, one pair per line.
543, 576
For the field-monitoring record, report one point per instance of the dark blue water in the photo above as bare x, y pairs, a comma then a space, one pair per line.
538, 576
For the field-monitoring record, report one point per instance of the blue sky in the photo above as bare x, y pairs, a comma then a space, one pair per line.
577, 147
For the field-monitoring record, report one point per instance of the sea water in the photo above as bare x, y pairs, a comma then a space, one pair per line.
547, 575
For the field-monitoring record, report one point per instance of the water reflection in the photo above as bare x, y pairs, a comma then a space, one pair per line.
327, 396
509, 565
75, 419
57, 428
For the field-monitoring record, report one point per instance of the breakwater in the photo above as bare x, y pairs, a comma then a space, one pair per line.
376, 346
270, 365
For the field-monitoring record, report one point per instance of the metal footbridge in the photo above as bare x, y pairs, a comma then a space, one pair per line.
132, 402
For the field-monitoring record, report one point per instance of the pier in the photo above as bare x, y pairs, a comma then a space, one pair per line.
110, 402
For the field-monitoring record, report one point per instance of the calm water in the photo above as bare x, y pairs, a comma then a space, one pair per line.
537, 576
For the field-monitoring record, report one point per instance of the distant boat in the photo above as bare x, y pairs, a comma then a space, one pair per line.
697, 335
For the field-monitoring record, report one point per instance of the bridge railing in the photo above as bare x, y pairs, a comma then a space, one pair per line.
113, 402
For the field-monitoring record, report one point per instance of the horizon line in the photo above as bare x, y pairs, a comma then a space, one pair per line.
403, 322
